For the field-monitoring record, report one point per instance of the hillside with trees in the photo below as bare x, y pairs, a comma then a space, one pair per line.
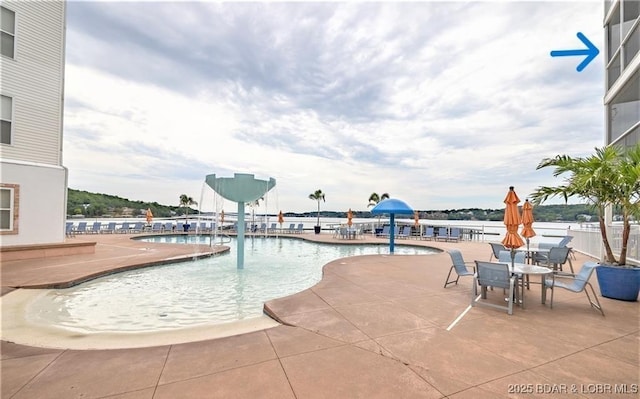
104, 205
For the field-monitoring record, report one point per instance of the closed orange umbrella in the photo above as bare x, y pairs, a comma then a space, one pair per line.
222, 217
416, 218
149, 215
512, 222
349, 217
527, 221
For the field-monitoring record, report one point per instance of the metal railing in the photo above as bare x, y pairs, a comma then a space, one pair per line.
589, 241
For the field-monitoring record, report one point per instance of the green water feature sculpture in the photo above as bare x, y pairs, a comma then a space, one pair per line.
241, 188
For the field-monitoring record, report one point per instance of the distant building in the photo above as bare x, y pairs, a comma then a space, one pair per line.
622, 61
33, 181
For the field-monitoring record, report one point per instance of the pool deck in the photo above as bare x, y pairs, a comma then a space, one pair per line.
376, 326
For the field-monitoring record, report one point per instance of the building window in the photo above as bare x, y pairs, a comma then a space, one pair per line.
6, 118
624, 109
9, 194
8, 31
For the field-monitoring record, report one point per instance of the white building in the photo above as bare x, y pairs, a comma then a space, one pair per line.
33, 181
622, 52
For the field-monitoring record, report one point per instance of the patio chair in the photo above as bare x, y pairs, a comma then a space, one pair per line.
124, 228
168, 227
495, 250
493, 275
385, 231
518, 257
557, 257
405, 232
273, 228
292, 228
137, 227
459, 265
95, 229
69, 231
300, 228
82, 228
575, 283
454, 234
428, 234
566, 240
156, 227
442, 234
111, 228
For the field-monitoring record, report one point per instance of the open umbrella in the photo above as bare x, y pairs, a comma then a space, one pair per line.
392, 206
149, 215
349, 217
512, 221
527, 222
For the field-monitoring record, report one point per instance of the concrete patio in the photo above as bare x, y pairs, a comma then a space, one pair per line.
374, 327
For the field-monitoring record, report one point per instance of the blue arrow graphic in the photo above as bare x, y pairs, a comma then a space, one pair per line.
590, 52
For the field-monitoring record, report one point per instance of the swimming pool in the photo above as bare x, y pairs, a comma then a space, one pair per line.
205, 291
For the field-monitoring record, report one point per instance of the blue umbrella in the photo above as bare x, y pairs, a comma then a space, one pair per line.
392, 206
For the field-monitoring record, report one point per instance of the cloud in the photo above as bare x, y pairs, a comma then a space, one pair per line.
441, 104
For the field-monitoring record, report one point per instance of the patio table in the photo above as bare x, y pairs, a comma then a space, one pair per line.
527, 269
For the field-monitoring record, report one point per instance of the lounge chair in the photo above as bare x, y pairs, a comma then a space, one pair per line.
168, 227
111, 228
137, 227
454, 234
82, 228
385, 231
493, 275
405, 232
193, 226
300, 228
292, 228
156, 227
124, 228
69, 230
459, 265
428, 234
575, 283
273, 229
96, 227
179, 227
442, 234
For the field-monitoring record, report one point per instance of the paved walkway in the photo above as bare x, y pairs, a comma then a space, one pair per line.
374, 327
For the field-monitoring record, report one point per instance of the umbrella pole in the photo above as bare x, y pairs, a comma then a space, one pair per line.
391, 233
513, 256
528, 253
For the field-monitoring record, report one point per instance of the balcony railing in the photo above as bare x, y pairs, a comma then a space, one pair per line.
588, 241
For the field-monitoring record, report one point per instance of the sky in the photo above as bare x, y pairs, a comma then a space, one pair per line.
443, 105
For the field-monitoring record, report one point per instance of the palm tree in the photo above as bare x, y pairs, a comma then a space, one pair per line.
317, 196
253, 206
186, 202
610, 177
374, 199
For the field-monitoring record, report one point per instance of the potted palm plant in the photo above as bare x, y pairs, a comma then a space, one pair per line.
186, 202
608, 178
317, 196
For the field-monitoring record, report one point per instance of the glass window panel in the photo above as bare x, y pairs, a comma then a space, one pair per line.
613, 71
6, 45
625, 108
5, 220
5, 132
8, 20
631, 10
632, 45
5, 198
614, 33
5, 107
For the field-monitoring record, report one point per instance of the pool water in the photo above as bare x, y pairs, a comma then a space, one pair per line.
193, 293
